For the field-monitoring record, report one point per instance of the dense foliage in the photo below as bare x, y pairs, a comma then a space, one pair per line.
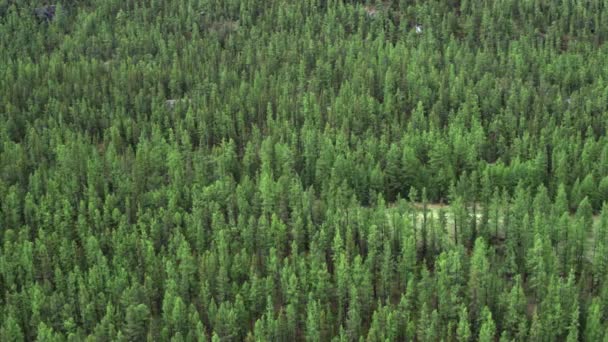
270, 170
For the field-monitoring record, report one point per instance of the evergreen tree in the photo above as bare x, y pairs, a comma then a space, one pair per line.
487, 331
303, 170
479, 278
463, 332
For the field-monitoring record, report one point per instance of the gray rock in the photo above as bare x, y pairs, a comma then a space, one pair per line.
170, 103
46, 13
371, 11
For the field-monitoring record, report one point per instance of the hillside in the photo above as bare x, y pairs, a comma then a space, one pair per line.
245, 170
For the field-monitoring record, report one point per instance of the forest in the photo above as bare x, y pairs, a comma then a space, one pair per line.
314, 170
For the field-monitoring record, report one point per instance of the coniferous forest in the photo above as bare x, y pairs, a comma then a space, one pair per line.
315, 170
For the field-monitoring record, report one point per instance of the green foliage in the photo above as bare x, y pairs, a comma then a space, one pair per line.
304, 170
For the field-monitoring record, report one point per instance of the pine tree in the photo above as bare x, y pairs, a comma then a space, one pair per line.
479, 278
312, 320
354, 319
593, 325
487, 332
10, 330
573, 334
537, 267
515, 313
463, 332
136, 322
536, 329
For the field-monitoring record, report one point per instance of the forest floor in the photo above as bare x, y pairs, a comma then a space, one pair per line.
434, 210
